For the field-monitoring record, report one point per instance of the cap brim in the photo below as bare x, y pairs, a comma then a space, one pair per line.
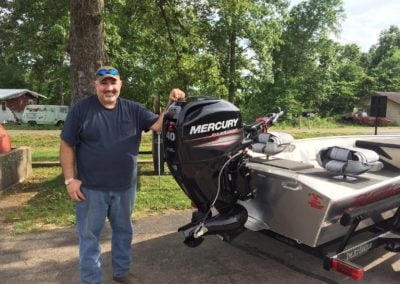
106, 76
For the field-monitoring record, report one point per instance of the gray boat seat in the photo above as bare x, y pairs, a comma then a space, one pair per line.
272, 143
348, 161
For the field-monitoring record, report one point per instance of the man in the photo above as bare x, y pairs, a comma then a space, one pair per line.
103, 133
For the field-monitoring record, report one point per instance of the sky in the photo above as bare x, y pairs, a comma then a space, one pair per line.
366, 19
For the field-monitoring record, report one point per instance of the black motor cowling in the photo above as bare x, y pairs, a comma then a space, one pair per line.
199, 137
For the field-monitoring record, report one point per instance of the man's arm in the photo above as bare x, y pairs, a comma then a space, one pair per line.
67, 161
157, 126
174, 95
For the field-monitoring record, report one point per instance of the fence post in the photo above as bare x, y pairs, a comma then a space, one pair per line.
157, 144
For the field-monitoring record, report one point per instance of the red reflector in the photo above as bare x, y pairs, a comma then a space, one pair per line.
350, 270
171, 127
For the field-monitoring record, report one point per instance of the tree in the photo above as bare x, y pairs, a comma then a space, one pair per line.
349, 79
161, 44
382, 65
304, 61
388, 41
242, 35
86, 45
33, 39
255, 53
387, 73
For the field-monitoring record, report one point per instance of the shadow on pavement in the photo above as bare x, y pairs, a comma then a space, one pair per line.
160, 257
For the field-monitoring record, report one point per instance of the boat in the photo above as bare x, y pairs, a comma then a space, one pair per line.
316, 193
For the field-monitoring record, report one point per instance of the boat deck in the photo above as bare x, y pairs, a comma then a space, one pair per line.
301, 165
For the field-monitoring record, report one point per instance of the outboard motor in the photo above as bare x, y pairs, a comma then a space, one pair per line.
203, 139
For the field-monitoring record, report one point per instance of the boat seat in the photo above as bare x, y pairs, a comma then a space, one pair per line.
272, 143
349, 161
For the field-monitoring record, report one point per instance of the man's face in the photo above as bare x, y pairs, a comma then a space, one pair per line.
108, 91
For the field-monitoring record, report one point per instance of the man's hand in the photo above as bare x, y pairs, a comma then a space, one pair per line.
176, 95
74, 190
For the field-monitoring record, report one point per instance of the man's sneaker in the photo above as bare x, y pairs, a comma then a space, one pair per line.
126, 279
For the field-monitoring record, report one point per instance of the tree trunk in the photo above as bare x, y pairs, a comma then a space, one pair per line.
86, 45
60, 85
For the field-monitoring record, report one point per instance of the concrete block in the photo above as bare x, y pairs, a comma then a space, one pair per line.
15, 166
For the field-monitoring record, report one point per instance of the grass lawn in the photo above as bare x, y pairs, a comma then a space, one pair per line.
46, 147
304, 135
49, 204
30, 127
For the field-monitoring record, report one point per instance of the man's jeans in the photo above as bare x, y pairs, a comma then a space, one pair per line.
90, 217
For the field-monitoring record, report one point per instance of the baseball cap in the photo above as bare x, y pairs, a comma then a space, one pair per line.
106, 72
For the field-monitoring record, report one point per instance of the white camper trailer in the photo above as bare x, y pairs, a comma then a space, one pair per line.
6, 115
45, 114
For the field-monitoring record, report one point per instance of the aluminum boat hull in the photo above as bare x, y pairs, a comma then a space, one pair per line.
296, 198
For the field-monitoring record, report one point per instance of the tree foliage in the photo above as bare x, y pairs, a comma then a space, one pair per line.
34, 37
383, 61
258, 54
304, 61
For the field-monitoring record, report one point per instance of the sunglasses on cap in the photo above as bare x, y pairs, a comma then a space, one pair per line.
103, 72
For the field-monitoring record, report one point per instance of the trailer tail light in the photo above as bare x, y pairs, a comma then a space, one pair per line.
348, 269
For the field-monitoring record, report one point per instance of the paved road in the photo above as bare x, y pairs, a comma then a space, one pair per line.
161, 257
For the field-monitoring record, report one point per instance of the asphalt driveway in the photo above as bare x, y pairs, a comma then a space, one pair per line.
161, 257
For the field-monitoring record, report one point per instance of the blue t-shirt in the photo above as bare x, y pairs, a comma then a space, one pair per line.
106, 141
